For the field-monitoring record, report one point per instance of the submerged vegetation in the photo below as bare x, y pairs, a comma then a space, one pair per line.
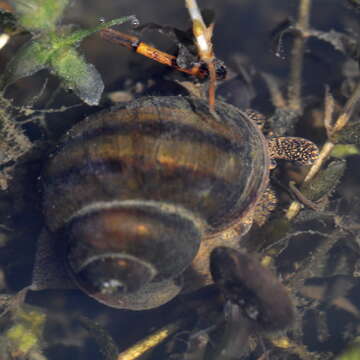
311, 240
53, 47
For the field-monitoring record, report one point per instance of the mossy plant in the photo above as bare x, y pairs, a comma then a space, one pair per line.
54, 47
48, 13
25, 333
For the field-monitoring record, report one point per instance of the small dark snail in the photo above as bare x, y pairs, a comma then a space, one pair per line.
134, 194
253, 302
246, 283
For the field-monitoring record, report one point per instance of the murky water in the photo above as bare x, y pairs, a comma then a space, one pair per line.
328, 309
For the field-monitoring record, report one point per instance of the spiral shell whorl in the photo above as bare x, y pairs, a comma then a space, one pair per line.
131, 192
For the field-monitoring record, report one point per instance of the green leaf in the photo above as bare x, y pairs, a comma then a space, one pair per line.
56, 50
79, 35
325, 181
343, 151
32, 57
351, 353
78, 75
36, 15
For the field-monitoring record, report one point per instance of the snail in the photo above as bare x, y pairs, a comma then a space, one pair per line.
139, 193
245, 300
255, 303
264, 301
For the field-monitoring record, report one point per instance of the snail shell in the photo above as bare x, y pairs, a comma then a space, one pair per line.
130, 192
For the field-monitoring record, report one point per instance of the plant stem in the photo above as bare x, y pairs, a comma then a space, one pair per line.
79, 35
327, 148
297, 56
202, 36
148, 343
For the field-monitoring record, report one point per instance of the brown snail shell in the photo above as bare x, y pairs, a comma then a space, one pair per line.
131, 191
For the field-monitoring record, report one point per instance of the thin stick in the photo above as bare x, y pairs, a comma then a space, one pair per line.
301, 198
297, 56
4, 39
135, 44
148, 343
277, 97
203, 36
348, 110
326, 150
329, 105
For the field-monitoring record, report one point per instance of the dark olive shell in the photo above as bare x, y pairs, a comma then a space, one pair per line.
132, 190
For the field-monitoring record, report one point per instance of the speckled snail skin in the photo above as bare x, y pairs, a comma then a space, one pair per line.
132, 192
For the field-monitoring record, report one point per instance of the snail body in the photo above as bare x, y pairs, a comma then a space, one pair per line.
130, 193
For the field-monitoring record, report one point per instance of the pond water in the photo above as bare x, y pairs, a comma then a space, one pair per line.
316, 255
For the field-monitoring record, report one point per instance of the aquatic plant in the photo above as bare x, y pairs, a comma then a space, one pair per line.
54, 47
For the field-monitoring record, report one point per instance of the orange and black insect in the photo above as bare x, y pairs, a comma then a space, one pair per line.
198, 68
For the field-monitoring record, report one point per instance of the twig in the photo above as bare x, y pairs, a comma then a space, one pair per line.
329, 104
348, 110
297, 56
277, 97
148, 343
203, 36
301, 198
205, 302
326, 150
4, 39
